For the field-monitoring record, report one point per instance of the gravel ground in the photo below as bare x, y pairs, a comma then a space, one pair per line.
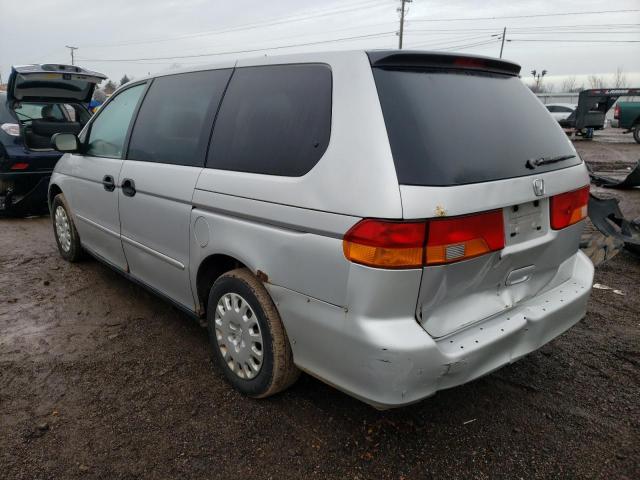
100, 379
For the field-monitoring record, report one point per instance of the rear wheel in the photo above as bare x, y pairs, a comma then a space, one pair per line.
247, 336
65, 230
636, 132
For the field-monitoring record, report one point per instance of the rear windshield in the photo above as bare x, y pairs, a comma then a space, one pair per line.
456, 127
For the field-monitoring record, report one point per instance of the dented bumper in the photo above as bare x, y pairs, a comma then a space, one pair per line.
390, 362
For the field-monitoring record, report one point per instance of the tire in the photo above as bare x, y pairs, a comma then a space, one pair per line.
64, 230
636, 132
243, 322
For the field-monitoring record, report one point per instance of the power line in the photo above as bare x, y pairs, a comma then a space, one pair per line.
523, 16
212, 54
570, 40
248, 26
538, 30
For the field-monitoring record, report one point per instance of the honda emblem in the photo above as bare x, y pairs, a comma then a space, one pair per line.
538, 187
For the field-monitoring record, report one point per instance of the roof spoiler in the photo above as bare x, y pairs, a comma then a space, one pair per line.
417, 59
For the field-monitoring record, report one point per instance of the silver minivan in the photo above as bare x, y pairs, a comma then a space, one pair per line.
393, 223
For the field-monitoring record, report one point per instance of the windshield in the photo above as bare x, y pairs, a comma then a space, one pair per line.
451, 127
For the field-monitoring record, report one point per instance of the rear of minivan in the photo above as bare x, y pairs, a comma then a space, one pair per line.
484, 265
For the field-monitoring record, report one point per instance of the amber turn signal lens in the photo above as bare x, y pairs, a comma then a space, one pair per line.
386, 244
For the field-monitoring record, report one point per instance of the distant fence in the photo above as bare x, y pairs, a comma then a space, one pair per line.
568, 97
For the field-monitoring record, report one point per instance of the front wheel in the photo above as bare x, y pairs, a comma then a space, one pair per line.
247, 336
65, 230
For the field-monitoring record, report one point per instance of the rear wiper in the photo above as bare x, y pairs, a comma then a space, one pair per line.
536, 162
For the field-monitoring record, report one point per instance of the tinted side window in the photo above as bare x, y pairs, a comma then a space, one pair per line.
274, 120
108, 131
553, 109
175, 118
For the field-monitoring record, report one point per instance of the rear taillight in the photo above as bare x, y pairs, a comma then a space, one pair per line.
616, 112
569, 208
460, 238
19, 166
388, 244
385, 244
12, 129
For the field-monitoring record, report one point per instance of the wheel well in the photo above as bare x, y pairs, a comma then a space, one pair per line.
209, 270
53, 191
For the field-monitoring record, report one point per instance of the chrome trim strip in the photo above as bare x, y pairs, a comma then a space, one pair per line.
98, 226
171, 261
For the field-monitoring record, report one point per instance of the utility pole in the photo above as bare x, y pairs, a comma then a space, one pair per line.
504, 34
402, 14
71, 49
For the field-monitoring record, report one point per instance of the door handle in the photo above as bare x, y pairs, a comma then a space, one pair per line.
108, 183
128, 187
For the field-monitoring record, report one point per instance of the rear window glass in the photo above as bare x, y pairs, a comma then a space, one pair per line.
175, 119
274, 120
456, 127
37, 111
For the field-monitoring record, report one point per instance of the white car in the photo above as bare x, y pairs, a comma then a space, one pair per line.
560, 111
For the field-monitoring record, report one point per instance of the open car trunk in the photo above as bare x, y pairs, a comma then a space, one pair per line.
49, 99
467, 137
40, 121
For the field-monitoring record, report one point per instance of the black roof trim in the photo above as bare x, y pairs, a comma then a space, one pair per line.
418, 59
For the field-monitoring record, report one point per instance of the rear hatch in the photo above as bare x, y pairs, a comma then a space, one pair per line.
52, 82
479, 157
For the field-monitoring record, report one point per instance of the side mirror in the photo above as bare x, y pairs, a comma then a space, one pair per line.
65, 142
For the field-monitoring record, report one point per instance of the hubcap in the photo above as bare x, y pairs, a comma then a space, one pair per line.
239, 336
63, 229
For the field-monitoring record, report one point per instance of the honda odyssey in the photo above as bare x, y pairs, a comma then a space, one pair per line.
394, 223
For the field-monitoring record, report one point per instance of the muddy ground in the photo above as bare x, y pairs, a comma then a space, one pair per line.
100, 379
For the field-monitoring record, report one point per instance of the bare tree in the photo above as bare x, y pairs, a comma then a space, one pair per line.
109, 88
568, 84
99, 95
619, 78
596, 81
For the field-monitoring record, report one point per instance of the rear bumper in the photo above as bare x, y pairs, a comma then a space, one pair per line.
394, 362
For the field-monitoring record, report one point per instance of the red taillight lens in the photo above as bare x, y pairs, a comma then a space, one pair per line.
569, 208
387, 244
460, 238
379, 243
20, 166
616, 112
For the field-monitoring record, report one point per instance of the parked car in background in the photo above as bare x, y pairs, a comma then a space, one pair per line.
319, 214
41, 100
627, 116
560, 111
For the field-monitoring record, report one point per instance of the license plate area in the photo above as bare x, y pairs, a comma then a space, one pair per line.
526, 221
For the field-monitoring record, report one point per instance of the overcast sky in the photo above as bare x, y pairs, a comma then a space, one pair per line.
36, 31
